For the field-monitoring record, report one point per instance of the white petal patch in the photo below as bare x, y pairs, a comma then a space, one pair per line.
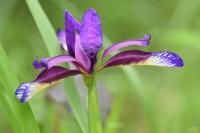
26, 91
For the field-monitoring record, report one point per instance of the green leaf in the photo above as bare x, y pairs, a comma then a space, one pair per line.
19, 115
45, 28
112, 123
49, 37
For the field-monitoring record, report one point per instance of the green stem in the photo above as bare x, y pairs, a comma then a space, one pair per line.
94, 116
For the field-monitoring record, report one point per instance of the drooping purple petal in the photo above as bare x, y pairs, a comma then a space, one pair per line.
70, 26
91, 33
80, 54
140, 42
54, 74
46, 78
136, 57
61, 35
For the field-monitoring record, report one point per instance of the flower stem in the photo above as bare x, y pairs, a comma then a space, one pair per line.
94, 116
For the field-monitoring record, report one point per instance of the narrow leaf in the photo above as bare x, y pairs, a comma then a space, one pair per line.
20, 116
49, 37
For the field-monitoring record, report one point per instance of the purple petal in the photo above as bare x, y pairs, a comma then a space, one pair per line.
37, 64
45, 79
54, 74
91, 33
62, 38
81, 55
70, 26
50, 62
165, 59
140, 42
72, 20
56, 60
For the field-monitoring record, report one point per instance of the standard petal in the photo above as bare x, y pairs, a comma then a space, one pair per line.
91, 33
165, 59
61, 35
70, 26
140, 42
72, 20
46, 78
80, 54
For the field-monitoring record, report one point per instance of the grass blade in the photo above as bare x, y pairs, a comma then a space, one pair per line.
45, 28
19, 115
49, 37
112, 122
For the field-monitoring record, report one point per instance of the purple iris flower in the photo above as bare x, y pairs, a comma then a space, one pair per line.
82, 42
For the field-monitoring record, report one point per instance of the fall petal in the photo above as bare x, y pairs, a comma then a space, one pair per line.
136, 57
46, 78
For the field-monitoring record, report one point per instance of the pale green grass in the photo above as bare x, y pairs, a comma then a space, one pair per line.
19, 115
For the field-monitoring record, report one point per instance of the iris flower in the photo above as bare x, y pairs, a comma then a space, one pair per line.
82, 42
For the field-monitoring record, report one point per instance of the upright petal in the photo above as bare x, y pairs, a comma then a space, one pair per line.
136, 57
70, 26
80, 54
140, 42
72, 20
46, 78
61, 35
91, 33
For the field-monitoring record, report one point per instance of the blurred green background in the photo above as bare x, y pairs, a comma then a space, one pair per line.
163, 100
